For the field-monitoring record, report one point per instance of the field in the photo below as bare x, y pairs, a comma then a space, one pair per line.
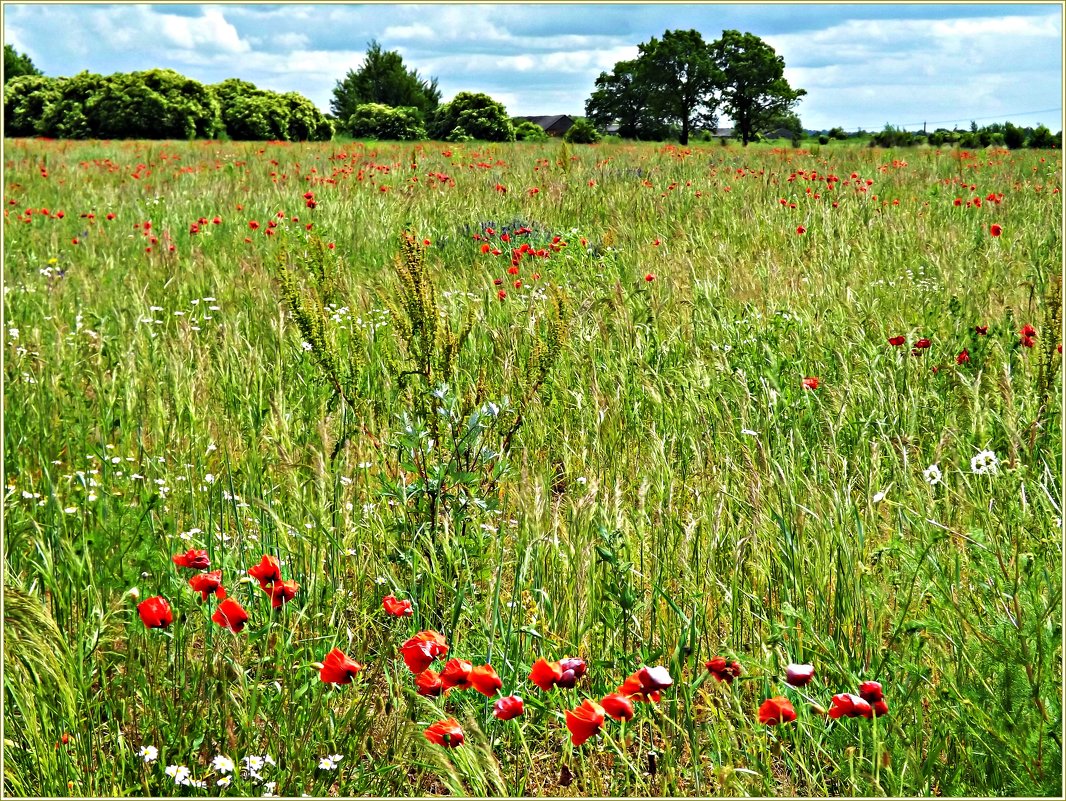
631, 404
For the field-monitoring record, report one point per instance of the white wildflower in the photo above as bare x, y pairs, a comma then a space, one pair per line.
932, 475
984, 463
149, 753
223, 764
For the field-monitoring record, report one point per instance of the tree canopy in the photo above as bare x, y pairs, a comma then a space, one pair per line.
384, 79
682, 81
17, 64
753, 89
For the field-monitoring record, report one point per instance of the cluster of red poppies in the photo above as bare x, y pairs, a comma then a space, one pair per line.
870, 701
156, 613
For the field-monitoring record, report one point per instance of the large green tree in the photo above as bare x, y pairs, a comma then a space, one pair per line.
753, 89
383, 78
17, 64
623, 97
682, 80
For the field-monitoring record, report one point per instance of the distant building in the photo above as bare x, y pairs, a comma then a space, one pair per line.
555, 125
722, 133
778, 133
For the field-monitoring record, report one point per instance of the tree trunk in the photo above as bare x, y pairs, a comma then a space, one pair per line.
684, 131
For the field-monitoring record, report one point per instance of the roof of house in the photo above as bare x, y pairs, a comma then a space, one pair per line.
550, 120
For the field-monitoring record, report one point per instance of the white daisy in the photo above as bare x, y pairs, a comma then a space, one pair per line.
223, 764
149, 753
985, 462
932, 475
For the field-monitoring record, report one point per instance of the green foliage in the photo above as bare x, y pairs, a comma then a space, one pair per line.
472, 115
17, 64
383, 79
156, 104
25, 100
378, 121
754, 88
529, 131
253, 114
838, 133
1013, 136
582, 132
681, 79
892, 137
624, 97
1042, 139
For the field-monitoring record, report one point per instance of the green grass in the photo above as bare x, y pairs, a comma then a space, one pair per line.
670, 492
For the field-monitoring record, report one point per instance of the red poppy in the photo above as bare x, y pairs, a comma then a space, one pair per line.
155, 612
963, 357
207, 583
811, 382
428, 683
897, 341
253, 225
799, 675
266, 572
230, 615
649, 277
922, 344
723, 670
338, 668
617, 706
776, 710
508, 707
995, 229
573, 669
846, 705
981, 329
800, 230
445, 732
871, 691
501, 295
197, 560
281, 592
420, 651
645, 684
1027, 331
585, 721
545, 674
484, 679
395, 607
456, 674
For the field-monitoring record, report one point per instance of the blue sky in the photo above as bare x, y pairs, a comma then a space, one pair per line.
863, 65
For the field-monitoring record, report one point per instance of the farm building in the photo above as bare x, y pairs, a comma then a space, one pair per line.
555, 125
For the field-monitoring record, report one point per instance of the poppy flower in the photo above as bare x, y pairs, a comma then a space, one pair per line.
155, 612
645, 684
896, 341
508, 707
445, 732
811, 382
995, 229
871, 691
266, 572
545, 674
230, 615
585, 721
649, 277
197, 560
420, 651
799, 675
484, 679
776, 710
456, 674
800, 230
723, 670
338, 668
617, 706
395, 607
573, 669
281, 592
428, 683
846, 705
963, 357
982, 330
207, 583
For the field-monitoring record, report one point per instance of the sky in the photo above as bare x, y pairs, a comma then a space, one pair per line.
862, 65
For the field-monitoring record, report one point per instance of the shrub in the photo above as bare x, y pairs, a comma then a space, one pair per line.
479, 116
154, 104
582, 132
529, 131
1042, 139
823, 140
250, 113
378, 121
25, 100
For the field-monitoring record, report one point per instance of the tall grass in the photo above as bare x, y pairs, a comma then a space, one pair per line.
657, 487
